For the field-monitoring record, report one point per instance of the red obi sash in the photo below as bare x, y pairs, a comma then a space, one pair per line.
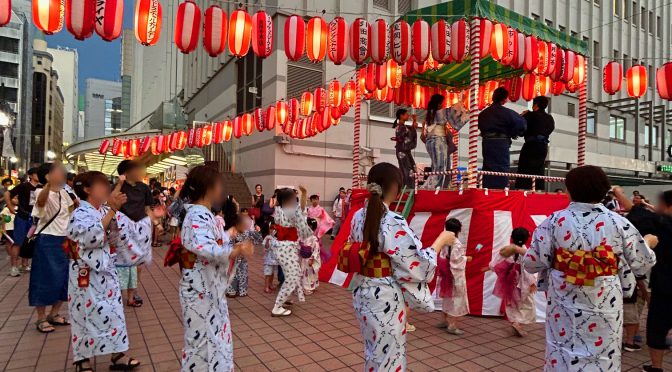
582, 267
286, 234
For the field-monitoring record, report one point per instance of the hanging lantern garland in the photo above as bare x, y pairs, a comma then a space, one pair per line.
214, 31
441, 39
421, 39
637, 78
379, 42
262, 34
401, 42
316, 39
240, 33
360, 41
337, 48
80, 16
612, 77
295, 37
187, 26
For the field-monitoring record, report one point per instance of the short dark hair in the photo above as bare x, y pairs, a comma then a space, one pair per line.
244, 210
258, 185
88, 179
70, 176
587, 184
341, 189
127, 165
500, 95
666, 198
7, 181
314, 196
453, 225
520, 236
31, 171
541, 102
42, 172
199, 180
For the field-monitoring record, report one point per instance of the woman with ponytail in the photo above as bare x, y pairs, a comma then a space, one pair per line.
406, 139
396, 271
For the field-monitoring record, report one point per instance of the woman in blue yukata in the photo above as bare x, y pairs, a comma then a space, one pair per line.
379, 295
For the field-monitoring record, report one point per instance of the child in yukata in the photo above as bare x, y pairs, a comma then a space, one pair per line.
270, 265
311, 266
453, 261
514, 286
244, 227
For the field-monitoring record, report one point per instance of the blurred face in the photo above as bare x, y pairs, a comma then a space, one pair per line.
137, 174
315, 202
216, 192
57, 175
342, 193
637, 200
98, 192
403, 117
33, 178
258, 189
15, 200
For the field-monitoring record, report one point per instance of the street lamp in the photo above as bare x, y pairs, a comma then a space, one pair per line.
51, 155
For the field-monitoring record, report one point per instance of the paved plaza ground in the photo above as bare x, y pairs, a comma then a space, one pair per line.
322, 335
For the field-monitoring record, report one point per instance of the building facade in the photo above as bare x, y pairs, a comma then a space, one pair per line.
66, 62
102, 108
48, 108
217, 88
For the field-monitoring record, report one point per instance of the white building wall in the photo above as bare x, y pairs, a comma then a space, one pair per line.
66, 64
97, 92
324, 162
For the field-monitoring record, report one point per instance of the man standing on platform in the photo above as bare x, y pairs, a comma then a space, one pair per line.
498, 126
532, 158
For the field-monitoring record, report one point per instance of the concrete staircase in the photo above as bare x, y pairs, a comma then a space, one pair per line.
235, 184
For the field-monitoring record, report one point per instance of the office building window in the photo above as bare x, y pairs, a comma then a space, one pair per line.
8, 44
248, 85
635, 16
384, 4
659, 27
652, 22
571, 109
646, 135
617, 55
642, 20
404, 6
535, 16
617, 128
626, 63
597, 52
626, 10
303, 75
617, 7
549, 23
591, 121
652, 77
668, 137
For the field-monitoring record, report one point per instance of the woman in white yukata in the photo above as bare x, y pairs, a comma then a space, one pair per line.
379, 295
289, 226
587, 257
96, 309
208, 343
310, 267
516, 287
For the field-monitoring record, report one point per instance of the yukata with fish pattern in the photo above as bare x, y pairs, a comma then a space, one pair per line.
587, 257
379, 302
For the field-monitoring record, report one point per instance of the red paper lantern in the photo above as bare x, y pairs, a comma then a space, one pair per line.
116, 147
486, 89
486, 37
401, 42
381, 94
349, 92
262, 34
321, 100
394, 74
370, 83
337, 112
380, 47
295, 37
80, 17
335, 93
191, 137
419, 68
531, 54
337, 47
612, 77
511, 47
637, 79
47, 15
188, 26
228, 130
459, 41
104, 146
109, 19
421, 40
173, 140
398, 97
293, 109
161, 143
343, 108
147, 21
6, 13
418, 96
218, 132
198, 138
664, 81
519, 57
557, 88
214, 31
270, 117
515, 88
579, 70
499, 41
325, 120
359, 40
441, 41
553, 59
238, 126
544, 57
559, 63
316, 39
529, 87
543, 85
281, 113
569, 66
240, 33
206, 135
381, 75
306, 103
258, 118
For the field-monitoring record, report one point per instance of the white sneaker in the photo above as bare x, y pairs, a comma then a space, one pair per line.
14, 271
280, 311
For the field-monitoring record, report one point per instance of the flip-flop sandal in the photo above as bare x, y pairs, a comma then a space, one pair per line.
80, 368
43, 326
133, 304
57, 320
282, 314
129, 366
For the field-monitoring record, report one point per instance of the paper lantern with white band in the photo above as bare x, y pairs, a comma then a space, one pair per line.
486, 37
48, 15
240, 33
380, 75
359, 40
421, 40
321, 99
511, 50
401, 42
334, 93
579, 70
281, 113
459, 40
214, 31
80, 17
188, 26
316, 39
295, 37
569, 64
262, 34
337, 42
441, 41
380, 47
109, 19
637, 79
499, 41
306, 107
664, 81
258, 118
349, 92
612, 77
531, 59
394, 74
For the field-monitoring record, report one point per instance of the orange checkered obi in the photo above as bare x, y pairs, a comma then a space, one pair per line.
354, 258
582, 267
377, 267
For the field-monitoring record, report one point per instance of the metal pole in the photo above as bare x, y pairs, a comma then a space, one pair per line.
663, 133
355, 142
651, 121
583, 122
637, 129
475, 53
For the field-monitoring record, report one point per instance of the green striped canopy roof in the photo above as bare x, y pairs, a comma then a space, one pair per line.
457, 74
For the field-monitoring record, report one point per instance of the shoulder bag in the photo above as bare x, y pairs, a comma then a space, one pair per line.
28, 247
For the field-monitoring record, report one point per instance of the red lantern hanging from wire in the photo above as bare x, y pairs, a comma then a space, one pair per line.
262, 34
281, 113
270, 118
104, 146
421, 40
394, 74
6, 12
316, 39
145, 144
557, 88
80, 17
228, 130
569, 66
109, 19
558, 70
529, 87
499, 41
519, 57
401, 42
295, 37
247, 123
459, 40
380, 47
240, 33
258, 119
486, 36
370, 84
553, 60
321, 100
206, 135
238, 126
214, 31
191, 137
543, 59
359, 40
335, 93
637, 78
349, 92
218, 132
612, 77
188, 26
337, 46
147, 21
343, 108
515, 88
511, 48
664, 81
531, 59
293, 109
441, 41
579, 70
380, 75
306, 103
48, 15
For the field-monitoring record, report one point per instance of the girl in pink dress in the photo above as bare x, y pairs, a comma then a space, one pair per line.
324, 221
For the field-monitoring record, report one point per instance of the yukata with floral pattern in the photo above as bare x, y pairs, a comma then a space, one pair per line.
458, 303
379, 302
584, 320
309, 278
519, 307
96, 311
287, 253
208, 343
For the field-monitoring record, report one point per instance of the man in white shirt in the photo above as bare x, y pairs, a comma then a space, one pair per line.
338, 211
